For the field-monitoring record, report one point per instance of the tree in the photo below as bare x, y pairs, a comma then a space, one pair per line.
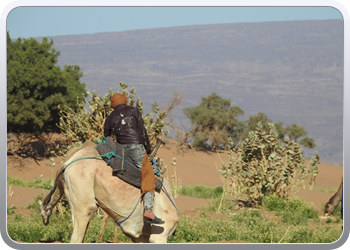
36, 85
307, 142
214, 120
295, 132
252, 122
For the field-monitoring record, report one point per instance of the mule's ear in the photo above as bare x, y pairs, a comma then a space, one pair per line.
40, 202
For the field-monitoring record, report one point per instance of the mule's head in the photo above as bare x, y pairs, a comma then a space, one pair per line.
45, 211
329, 209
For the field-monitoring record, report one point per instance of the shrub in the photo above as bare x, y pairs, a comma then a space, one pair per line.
293, 211
261, 165
87, 124
297, 205
273, 203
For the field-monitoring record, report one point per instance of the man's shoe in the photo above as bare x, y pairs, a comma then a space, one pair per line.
150, 218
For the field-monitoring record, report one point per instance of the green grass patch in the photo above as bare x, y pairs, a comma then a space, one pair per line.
323, 190
201, 191
294, 204
251, 227
37, 183
293, 211
289, 221
244, 225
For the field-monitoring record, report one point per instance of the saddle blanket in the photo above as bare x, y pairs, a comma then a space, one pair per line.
122, 164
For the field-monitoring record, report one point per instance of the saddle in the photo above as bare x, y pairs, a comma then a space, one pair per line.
122, 164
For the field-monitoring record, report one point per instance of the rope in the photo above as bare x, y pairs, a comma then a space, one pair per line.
157, 172
114, 154
166, 192
108, 155
88, 157
118, 222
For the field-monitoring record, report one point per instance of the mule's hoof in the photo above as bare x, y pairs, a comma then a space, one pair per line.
156, 220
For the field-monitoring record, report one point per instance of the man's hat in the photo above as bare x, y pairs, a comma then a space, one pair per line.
118, 99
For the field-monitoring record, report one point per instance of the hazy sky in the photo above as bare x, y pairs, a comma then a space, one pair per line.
29, 22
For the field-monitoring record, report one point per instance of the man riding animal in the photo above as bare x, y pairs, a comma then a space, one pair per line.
87, 181
126, 123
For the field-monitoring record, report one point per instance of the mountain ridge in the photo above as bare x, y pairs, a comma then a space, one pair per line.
292, 71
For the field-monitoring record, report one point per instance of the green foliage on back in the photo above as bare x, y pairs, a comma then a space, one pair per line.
264, 120
261, 166
214, 120
295, 132
36, 85
82, 124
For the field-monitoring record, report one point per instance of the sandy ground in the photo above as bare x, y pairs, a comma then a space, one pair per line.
193, 167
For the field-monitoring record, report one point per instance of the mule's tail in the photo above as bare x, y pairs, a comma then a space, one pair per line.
58, 181
53, 197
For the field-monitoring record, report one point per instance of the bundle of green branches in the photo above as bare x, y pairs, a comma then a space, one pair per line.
261, 165
86, 123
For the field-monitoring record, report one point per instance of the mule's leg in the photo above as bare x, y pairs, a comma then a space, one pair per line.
82, 201
115, 240
104, 223
83, 214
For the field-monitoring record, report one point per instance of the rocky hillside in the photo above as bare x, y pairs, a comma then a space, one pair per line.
292, 71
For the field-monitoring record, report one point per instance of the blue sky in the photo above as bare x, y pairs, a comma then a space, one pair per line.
29, 22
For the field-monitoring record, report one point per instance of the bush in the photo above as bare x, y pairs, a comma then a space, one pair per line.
297, 205
293, 211
273, 203
261, 165
87, 124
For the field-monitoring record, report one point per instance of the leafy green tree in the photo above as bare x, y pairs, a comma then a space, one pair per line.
36, 85
252, 122
307, 142
295, 132
214, 120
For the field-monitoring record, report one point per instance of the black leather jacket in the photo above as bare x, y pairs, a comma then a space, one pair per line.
127, 124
